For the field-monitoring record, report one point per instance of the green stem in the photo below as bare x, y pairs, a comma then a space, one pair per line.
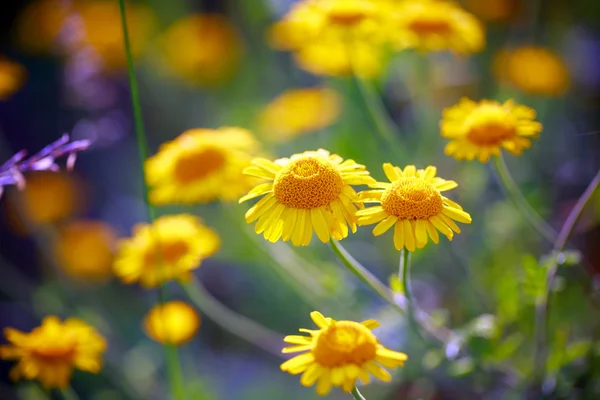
515, 194
236, 324
543, 303
404, 275
357, 395
69, 394
173, 364
382, 121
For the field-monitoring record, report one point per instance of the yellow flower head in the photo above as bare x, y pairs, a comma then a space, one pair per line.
339, 353
413, 204
12, 76
85, 249
533, 70
334, 37
174, 322
202, 48
433, 25
300, 111
201, 165
170, 248
483, 129
311, 191
51, 351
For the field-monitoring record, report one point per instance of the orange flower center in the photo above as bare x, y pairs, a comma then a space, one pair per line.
57, 349
348, 12
171, 253
196, 166
344, 342
412, 199
490, 134
430, 26
307, 183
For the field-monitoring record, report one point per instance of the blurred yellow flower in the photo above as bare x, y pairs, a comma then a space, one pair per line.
300, 111
170, 248
12, 76
85, 249
494, 10
202, 165
334, 37
339, 353
413, 204
310, 191
174, 322
434, 25
50, 352
533, 70
93, 23
202, 48
482, 129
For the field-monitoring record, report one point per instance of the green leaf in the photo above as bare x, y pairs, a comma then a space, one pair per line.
577, 349
461, 367
534, 282
507, 347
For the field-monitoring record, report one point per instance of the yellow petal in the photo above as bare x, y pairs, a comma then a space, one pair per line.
458, 215
409, 235
324, 385
320, 224
259, 172
257, 191
384, 225
298, 230
391, 172
296, 349
399, 235
260, 208
394, 355
297, 339
377, 371
298, 364
409, 171
433, 233
421, 231
446, 185
370, 324
337, 376
319, 319
310, 376
441, 226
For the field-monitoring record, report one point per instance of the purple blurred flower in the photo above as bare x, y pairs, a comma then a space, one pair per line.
11, 172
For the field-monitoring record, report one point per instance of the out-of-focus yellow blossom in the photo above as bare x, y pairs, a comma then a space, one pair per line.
334, 37
533, 70
12, 76
481, 130
93, 23
202, 165
50, 352
434, 25
202, 48
413, 204
338, 354
48, 197
174, 322
170, 248
494, 10
85, 249
300, 111
310, 191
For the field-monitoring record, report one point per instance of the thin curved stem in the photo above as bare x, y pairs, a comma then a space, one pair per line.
515, 194
357, 395
404, 275
229, 320
543, 303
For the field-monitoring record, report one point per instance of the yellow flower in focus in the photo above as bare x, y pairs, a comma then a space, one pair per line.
300, 111
434, 25
310, 191
174, 322
85, 249
339, 353
12, 76
334, 37
533, 70
483, 129
413, 204
170, 248
202, 165
50, 352
202, 48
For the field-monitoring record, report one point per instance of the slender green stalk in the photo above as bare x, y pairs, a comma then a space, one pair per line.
229, 320
69, 394
357, 395
404, 275
172, 358
543, 303
515, 194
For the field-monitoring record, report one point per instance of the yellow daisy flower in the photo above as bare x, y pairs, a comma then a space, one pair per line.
311, 191
170, 248
334, 37
201, 165
433, 25
174, 322
534, 70
339, 353
300, 111
483, 129
413, 204
51, 351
